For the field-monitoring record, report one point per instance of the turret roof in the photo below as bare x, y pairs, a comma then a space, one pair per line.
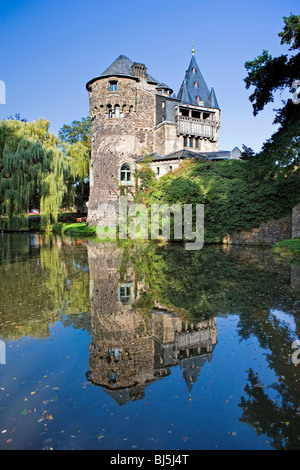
122, 67
194, 88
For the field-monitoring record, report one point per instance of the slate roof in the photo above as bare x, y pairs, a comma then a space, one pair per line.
188, 91
122, 67
213, 99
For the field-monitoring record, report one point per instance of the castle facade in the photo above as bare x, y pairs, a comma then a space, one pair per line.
134, 115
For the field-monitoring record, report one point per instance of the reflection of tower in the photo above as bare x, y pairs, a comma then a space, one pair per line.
129, 351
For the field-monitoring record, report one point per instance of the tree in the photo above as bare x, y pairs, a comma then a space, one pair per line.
75, 139
269, 75
77, 131
32, 170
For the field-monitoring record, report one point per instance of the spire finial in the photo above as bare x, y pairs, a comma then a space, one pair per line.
193, 50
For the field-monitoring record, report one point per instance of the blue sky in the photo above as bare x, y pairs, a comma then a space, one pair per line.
51, 49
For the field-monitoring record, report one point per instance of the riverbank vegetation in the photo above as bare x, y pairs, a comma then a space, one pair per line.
39, 171
288, 250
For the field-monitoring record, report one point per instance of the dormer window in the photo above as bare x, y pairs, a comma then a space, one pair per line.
198, 98
196, 84
113, 86
194, 70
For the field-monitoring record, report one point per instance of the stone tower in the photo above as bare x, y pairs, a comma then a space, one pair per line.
122, 111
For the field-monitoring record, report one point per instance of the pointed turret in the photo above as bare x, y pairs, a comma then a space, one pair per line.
213, 102
194, 88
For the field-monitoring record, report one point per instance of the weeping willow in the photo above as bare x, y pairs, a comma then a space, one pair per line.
33, 171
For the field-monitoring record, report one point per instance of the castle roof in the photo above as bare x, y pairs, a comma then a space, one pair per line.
194, 88
122, 67
213, 99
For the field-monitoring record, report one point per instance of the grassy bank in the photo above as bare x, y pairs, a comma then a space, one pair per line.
287, 249
76, 229
81, 230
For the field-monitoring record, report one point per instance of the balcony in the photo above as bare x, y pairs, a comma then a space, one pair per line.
196, 127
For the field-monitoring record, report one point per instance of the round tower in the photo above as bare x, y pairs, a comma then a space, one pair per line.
122, 111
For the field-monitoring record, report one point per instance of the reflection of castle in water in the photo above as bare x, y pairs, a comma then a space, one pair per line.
130, 351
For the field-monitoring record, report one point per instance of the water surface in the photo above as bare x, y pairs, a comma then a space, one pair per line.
139, 346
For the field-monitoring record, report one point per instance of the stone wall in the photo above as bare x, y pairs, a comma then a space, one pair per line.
165, 138
267, 233
296, 221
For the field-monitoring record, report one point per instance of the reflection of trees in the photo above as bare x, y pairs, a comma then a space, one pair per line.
279, 417
42, 280
211, 282
208, 281
280, 423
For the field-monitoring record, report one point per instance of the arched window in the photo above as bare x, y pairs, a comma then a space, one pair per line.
109, 110
117, 111
198, 98
194, 70
196, 84
125, 173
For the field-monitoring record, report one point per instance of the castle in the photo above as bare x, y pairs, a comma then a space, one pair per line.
133, 115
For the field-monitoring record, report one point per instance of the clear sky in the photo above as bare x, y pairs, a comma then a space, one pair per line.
50, 49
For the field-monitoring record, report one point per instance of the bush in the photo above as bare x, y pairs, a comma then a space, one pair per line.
237, 194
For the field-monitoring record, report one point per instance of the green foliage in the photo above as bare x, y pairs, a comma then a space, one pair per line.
75, 139
287, 249
145, 177
237, 194
269, 75
32, 170
77, 131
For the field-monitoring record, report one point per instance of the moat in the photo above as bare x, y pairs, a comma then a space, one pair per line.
132, 346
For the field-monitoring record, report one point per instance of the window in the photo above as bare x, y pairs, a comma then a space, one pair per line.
196, 84
109, 110
113, 86
198, 98
157, 170
194, 70
191, 141
184, 112
196, 143
170, 168
185, 141
117, 111
126, 295
125, 173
